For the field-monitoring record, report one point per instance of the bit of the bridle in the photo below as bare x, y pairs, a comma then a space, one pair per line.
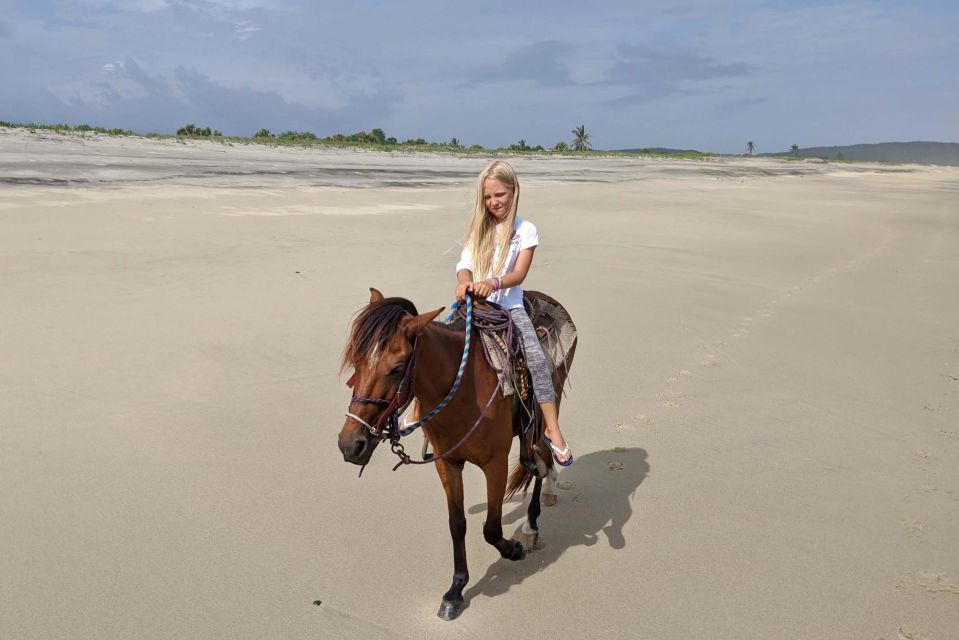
387, 425
389, 417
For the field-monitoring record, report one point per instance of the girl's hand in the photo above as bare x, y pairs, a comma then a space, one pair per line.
482, 289
461, 290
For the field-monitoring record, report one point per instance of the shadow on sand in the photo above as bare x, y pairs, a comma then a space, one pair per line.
594, 510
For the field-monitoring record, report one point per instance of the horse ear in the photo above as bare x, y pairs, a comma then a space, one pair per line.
415, 326
375, 295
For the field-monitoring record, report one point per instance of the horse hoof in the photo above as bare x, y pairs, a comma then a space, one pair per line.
450, 610
548, 499
519, 551
529, 540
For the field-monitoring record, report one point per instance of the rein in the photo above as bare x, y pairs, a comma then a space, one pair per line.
389, 418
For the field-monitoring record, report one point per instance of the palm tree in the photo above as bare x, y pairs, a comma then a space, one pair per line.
749, 147
794, 151
580, 139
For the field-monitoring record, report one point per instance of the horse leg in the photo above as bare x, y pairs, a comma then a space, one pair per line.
495, 471
451, 475
529, 534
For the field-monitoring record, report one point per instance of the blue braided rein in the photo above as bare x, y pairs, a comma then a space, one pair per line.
407, 429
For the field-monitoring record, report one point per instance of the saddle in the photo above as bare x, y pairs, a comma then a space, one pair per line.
503, 348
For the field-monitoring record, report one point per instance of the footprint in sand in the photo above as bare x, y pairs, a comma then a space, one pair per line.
673, 401
935, 584
914, 529
934, 490
904, 634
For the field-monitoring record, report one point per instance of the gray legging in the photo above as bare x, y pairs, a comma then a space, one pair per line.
536, 361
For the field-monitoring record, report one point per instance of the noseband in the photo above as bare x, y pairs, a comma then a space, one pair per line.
389, 417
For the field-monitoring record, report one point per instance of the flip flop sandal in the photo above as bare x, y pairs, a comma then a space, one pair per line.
559, 453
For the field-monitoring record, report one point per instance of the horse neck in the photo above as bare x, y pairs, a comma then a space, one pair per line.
438, 354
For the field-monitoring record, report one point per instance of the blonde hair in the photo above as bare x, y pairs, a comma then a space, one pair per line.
481, 237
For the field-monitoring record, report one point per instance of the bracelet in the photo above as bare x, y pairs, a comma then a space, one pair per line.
497, 283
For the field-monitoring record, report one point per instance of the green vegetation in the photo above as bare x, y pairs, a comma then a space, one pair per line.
580, 139
671, 153
375, 139
917, 152
65, 128
193, 131
522, 146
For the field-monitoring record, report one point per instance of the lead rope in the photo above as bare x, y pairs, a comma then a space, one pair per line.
397, 447
407, 429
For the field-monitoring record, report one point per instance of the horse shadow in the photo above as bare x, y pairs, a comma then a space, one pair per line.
595, 509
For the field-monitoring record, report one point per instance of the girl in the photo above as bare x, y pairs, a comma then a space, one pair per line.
499, 247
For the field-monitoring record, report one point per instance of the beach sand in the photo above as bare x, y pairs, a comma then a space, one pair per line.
763, 405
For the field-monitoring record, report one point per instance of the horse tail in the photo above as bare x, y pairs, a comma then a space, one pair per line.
520, 478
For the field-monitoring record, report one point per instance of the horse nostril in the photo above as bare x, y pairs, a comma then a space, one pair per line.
358, 448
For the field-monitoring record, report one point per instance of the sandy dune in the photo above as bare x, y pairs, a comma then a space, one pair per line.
763, 407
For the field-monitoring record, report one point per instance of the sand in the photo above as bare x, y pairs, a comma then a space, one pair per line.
763, 406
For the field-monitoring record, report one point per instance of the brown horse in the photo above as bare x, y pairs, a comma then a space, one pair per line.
384, 338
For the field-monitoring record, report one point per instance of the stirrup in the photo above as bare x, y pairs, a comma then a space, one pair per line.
537, 466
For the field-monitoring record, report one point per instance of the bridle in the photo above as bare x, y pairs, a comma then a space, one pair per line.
389, 417
387, 425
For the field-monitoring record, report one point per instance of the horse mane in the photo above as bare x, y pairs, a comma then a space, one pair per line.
373, 327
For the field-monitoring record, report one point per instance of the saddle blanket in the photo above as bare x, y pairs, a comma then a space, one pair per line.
556, 332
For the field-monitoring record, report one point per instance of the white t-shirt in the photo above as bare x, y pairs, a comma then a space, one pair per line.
524, 237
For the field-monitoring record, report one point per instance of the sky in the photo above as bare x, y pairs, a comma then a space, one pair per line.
696, 74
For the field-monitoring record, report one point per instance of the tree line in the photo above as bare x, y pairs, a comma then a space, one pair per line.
377, 137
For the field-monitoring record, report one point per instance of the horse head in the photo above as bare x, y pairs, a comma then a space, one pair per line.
380, 352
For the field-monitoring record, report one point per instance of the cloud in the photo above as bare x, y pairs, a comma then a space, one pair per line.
656, 73
146, 6
127, 96
232, 5
244, 29
149, 6
541, 63
741, 104
649, 73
